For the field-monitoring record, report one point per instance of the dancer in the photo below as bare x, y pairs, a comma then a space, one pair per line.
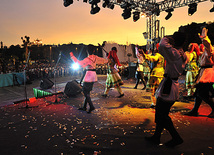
139, 72
113, 77
168, 90
90, 76
205, 79
191, 69
157, 72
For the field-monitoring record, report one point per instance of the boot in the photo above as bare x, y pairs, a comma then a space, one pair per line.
174, 142
194, 111
176, 139
155, 139
137, 82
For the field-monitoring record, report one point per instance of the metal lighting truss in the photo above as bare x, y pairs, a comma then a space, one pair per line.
151, 8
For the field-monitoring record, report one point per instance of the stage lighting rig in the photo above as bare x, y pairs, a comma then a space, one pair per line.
67, 3
192, 9
126, 13
94, 9
169, 13
156, 10
136, 16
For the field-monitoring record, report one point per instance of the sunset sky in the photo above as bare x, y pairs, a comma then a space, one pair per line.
53, 23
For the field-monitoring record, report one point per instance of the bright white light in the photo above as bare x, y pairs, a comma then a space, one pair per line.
75, 66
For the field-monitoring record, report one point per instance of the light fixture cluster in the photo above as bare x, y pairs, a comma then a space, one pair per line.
139, 7
94, 7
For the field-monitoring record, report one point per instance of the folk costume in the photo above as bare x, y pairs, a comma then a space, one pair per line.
90, 77
157, 72
139, 75
191, 68
113, 78
167, 92
205, 79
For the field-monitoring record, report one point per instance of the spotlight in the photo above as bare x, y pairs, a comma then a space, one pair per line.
136, 16
169, 13
67, 3
192, 9
94, 9
143, 15
212, 10
75, 66
126, 13
105, 3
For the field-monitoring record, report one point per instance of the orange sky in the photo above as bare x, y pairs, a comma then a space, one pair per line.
53, 23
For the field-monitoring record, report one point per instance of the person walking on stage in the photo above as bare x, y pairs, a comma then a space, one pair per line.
168, 90
192, 69
205, 79
139, 72
113, 77
90, 76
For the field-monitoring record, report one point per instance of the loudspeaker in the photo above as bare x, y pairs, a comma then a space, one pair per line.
72, 88
46, 83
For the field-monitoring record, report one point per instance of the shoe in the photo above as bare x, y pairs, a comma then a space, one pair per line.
83, 109
121, 95
90, 110
191, 113
143, 88
104, 95
211, 115
135, 87
153, 140
174, 142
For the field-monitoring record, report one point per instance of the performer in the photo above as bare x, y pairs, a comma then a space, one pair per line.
113, 77
205, 79
157, 72
139, 72
168, 90
191, 69
90, 76
146, 72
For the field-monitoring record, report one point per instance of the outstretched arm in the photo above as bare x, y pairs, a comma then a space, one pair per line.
206, 41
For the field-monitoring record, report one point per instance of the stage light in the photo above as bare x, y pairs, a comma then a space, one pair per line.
94, 9
126, 13
67, 3
169, 13
105, 3
212, 10
136, 16
192, 9
75, 66
143, 15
